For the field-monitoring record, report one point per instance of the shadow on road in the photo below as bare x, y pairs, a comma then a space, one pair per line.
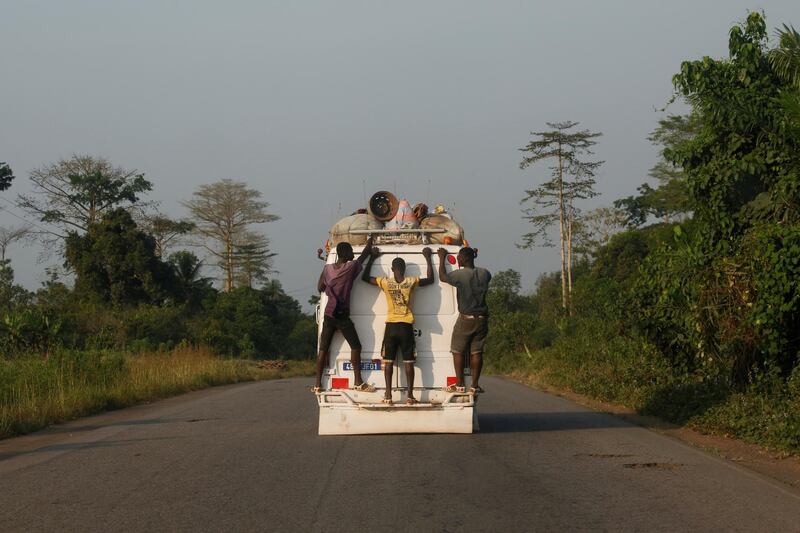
558, 421
81, 446
91, 427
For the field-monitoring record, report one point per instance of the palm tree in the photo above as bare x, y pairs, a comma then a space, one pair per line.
785, 59
190, 285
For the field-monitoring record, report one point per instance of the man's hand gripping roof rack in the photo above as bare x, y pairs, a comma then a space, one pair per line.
401, 235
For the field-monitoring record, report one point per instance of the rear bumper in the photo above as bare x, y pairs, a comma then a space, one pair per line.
355, 413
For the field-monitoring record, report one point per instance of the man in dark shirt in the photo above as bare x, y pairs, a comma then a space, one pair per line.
472, 325
336, 281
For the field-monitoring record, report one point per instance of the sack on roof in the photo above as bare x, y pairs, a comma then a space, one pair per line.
403, 219
340, 232
454, 233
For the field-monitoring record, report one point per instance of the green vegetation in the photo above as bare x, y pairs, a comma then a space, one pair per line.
128, 294
115, 328
696, 317
35, 392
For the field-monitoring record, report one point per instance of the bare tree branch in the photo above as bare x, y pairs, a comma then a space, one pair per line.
222, 213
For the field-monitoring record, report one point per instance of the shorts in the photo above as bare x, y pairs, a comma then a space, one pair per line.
342, 323
469, 335
399, 335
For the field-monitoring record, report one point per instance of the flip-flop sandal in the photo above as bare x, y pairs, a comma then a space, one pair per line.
476, 390
454, 388
316, 390
365, 387
387, 401
411, 401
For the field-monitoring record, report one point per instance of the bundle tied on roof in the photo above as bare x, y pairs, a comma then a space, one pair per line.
340, 232
453, 232
386, 213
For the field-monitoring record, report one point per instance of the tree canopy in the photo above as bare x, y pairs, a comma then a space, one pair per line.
72, 194
742, 166
6, 176
224, 213
116, 262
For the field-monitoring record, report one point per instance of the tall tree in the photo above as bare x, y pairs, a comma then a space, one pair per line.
553, 201
11, 235
72, 194
223, 213
6, 176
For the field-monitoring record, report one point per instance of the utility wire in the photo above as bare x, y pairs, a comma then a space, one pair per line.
293, 291
13, 214
54, 231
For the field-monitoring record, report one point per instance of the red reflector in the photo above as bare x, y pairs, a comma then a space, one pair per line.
451, 380
451, 259
340, 383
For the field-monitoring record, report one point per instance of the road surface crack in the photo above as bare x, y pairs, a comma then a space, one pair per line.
604, 455
657, 466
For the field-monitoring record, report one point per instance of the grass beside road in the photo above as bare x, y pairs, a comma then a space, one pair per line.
627, 370
35, 392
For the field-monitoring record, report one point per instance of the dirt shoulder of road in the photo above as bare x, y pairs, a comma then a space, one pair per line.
777, 465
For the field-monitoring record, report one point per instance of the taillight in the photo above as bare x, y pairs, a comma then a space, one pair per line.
451, 380
340, 383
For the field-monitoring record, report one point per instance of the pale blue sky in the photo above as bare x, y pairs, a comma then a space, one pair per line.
304, 100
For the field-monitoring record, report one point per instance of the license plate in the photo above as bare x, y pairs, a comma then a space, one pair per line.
375, 364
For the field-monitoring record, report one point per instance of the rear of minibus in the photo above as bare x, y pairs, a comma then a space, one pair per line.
435, 313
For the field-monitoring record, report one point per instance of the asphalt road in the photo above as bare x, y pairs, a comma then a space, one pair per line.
247, 458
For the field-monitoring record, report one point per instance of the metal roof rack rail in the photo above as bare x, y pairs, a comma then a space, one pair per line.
397, 235
401, 230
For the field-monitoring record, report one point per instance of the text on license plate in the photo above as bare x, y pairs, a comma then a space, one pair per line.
375, 364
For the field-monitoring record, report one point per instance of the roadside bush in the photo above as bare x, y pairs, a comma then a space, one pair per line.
767, 413
150, 328
592, 359
773, 254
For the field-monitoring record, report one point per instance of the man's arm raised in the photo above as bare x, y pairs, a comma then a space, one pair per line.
428, 279
442, 253
374, 253
365, 253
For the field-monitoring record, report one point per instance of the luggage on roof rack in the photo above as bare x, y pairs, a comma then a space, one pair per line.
400, 223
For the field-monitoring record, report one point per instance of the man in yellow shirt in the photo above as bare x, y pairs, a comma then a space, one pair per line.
399, 333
